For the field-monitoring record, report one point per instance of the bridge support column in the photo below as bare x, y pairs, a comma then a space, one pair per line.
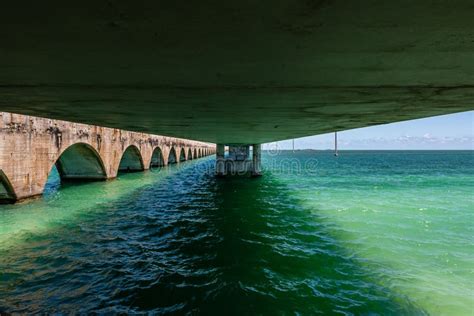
238, 162
220, 160
257, 160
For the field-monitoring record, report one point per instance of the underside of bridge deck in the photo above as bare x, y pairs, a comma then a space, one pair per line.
240, 72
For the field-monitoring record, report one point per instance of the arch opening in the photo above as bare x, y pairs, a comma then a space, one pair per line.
182, 155
195, 154
80, 162
200, 152
131, 160
190, 154
7, 194
157, 160
172, 156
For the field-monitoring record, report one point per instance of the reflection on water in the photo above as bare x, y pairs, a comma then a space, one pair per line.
366, 232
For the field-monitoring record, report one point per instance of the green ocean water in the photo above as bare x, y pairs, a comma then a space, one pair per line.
374, 232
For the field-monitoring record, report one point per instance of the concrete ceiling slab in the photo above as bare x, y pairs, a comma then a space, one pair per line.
237, 71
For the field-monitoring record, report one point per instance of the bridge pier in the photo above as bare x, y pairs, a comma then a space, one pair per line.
220, 160
257, 160
31, 146
238, 162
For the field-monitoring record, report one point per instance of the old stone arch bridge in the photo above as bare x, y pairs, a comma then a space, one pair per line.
31, 146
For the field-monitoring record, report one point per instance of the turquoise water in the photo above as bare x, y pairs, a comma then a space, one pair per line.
363, 233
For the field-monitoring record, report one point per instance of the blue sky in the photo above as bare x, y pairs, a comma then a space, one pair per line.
453, 131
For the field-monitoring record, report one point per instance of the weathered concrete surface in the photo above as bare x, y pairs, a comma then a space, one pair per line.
30, 146
239, 72
238, 162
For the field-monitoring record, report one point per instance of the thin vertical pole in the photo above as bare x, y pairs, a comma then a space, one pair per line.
335, 145
293, 145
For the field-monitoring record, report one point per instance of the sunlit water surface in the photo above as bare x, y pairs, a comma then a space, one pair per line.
366, 232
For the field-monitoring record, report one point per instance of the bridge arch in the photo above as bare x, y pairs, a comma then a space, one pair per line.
195, 154
131, 160
182, 155
190, 154
172, 159
157, 159
80, 161
7, 193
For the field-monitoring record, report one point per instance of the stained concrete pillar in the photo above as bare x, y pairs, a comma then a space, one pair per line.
220, 160
257, 160
238, 162
239, 153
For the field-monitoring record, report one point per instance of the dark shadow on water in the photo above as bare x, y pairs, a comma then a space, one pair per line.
247, 246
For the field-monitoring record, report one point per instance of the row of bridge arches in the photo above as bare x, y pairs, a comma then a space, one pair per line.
81, 161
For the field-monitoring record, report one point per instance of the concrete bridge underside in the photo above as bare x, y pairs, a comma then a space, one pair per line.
31, 146
237, 72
